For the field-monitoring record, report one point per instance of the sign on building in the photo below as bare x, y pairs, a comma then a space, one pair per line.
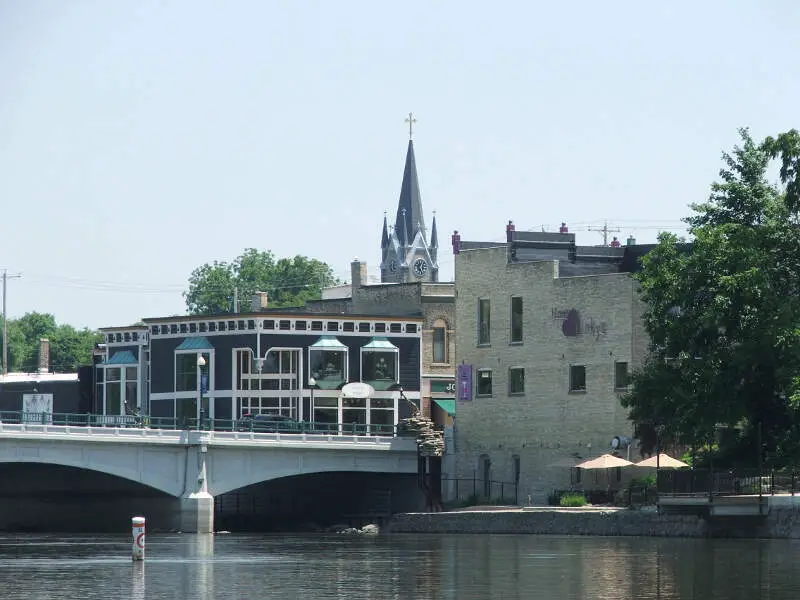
443, 386
37, 408
464, 382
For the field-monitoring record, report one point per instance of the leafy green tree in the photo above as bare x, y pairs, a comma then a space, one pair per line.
69, 347
289, 282
723, 317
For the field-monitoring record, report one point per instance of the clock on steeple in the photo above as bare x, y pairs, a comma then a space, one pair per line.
420, 267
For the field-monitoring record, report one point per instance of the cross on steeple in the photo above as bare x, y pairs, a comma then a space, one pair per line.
411, 120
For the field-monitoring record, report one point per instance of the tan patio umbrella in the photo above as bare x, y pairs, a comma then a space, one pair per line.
663, 461
606, 461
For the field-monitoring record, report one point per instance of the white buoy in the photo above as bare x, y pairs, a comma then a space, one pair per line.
138, 537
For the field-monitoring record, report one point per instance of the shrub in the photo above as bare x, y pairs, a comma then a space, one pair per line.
572, 500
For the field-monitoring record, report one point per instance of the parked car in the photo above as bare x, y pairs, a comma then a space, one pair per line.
268, 423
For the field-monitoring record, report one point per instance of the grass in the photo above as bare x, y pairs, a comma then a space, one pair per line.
572, 500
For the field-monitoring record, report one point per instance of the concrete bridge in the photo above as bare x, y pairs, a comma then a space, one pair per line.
191, 467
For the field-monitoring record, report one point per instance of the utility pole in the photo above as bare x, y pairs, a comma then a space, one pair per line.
604, 231
6, 277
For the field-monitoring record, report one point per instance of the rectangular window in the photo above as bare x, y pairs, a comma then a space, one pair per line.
516, 320
484, 322
363, 327
577, 378
396, 328
185, 372
516, 380
439, 345
379, 368
328, 367
620, 375
333, 326
411, 328
348, 326
380, 327
484, 382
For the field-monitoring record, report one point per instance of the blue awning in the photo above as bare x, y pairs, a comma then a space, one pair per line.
195, 343
124, 357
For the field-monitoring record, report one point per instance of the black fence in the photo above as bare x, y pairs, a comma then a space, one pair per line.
739, 482
474, 490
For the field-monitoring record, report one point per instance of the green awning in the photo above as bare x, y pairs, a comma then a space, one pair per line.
380, 343
125, 357
329, 342
195, 343
448, 406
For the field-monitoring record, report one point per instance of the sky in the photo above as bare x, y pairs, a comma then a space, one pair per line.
142, 139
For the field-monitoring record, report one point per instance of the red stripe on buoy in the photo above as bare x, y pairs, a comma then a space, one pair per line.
140, 540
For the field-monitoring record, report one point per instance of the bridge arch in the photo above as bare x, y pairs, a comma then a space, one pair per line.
157, 468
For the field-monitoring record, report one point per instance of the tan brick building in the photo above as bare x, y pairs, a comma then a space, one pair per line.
547, 333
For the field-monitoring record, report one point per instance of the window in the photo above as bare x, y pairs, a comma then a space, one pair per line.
300, 325
269, 324
484, 382
363, 327
440, 341
113, 392
516, 320
316, 325
327, 359
348, 326
380, 363
411, 328
577, 378
380, 327
620, 375
284, 325
186, 372
333, 326
516, 380
396, 328
484, 322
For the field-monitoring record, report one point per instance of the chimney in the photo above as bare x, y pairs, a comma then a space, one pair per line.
510, 231
631, 241
44, 355
456, 241
358, 274
260, 301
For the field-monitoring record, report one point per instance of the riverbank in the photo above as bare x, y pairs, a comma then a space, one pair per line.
597, 521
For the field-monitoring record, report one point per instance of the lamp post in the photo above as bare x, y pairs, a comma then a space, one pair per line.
201, 365
312, 383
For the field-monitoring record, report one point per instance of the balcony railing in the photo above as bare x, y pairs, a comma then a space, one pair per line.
737, 482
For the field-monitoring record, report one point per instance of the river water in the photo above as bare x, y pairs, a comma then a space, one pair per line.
463, 567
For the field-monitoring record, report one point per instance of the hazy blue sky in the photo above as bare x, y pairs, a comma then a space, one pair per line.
140, 139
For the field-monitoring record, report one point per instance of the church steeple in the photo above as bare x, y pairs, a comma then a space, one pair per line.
407, 256
434, 235
410, 199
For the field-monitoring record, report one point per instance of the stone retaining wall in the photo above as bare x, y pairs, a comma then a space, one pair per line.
552, 522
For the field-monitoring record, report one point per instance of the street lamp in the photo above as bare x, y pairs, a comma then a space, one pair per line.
312, 383
201, 365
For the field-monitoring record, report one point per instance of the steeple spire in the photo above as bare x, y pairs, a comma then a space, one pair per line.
434, 241
404, 229
410, 199
385, 236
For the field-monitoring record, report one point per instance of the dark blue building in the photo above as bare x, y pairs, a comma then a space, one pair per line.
288, 362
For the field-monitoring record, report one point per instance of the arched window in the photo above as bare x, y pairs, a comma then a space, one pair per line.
440, 341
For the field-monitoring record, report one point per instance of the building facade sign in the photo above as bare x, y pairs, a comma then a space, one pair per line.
443, 386
464, 381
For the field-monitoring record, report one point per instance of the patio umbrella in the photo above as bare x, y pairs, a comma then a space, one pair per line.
606, 461
662, 460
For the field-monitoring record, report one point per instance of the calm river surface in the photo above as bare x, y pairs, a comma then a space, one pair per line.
466, 567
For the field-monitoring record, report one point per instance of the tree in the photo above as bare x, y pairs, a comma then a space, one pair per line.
723, 316
69, 348
288, 281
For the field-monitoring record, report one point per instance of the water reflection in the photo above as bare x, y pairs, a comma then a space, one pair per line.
397, 567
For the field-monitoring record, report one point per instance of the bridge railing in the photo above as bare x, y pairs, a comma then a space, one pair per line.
206, 424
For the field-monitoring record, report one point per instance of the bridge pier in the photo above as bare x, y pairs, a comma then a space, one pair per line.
197, 506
